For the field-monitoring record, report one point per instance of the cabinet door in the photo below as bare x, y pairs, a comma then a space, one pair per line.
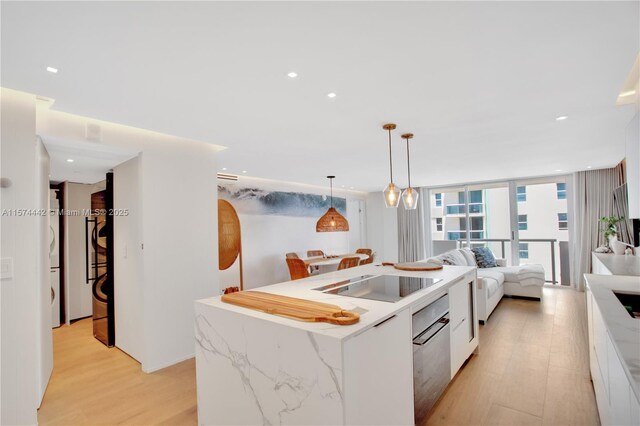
378, 374
619, 409
460, 312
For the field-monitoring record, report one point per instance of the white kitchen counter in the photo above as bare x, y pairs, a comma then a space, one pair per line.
371, 311
623, 330
617, 264
257, 368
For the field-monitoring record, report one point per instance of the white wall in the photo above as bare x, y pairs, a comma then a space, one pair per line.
267, 238
24, 352
128, 280
179, 228
382, 228
44, 271
78, 297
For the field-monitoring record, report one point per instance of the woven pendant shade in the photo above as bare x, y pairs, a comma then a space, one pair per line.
332, 221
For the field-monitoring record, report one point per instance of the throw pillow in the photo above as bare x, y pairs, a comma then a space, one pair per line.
484, 257
468, 256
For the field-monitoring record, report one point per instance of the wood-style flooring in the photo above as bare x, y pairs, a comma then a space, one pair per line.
532, 368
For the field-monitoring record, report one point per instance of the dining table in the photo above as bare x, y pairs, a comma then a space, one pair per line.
328, 261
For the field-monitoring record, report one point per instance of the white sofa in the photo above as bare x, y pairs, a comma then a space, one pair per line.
494, 283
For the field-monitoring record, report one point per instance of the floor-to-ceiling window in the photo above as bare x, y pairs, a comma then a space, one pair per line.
524, 221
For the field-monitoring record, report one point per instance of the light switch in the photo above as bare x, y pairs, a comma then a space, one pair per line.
6, 268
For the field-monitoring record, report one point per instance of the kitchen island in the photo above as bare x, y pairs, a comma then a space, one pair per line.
257, 368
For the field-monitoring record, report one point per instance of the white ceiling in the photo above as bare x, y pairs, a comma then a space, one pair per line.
91, 161
479, 84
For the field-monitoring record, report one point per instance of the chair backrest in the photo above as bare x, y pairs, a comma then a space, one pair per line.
368, 252
348, 262
297, 269
314, 253
291, 256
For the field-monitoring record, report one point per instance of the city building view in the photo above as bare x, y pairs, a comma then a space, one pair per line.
480, 215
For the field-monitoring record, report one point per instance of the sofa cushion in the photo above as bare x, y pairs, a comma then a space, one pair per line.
493, 274
469, 256
525, 275
484, 257
453, 257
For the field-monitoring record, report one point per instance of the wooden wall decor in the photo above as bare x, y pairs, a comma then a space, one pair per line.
229, 237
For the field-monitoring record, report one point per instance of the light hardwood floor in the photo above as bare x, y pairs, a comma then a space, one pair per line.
532, 368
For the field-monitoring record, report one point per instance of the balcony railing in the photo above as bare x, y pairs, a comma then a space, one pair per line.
474, 208
503, 241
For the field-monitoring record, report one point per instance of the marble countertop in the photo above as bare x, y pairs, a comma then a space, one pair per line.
371, 311
623, 329
620, 264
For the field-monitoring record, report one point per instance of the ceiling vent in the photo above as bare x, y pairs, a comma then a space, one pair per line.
227, 176
93, 132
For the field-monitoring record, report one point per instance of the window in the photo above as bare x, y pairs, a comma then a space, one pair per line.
562, 222
522, 222
524, 250
457, 235
439, 224
475, 197
561, 190
438, 199
521, 192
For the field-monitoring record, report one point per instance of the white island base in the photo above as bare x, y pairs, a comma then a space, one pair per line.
256, 368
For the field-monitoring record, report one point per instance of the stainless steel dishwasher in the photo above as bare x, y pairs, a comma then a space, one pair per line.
431, 356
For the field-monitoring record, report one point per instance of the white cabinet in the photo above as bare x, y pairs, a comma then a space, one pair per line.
378, 374
463, 321
617, 403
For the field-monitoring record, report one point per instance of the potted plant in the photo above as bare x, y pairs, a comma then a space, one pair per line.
611, 233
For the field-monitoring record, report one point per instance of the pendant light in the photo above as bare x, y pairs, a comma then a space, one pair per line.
391, 192
409, 195
332, 221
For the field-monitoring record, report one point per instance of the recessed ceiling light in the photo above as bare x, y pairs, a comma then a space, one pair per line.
52, 69
562, 117
70, 160
224, 168
244, 171
559, 170
627, 93
588, 167
332, 95
293, 74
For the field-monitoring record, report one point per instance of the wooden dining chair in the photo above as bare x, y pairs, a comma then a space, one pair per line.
297, 269
315, 253
291, 256
348, 262
368, 252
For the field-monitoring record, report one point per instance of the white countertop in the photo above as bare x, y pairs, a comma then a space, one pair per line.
371, 311
620, 264
623, 329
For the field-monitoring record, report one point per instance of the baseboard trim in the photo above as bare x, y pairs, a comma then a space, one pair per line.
166, 364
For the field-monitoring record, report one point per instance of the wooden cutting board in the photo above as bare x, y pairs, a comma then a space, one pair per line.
291, 307
413, 266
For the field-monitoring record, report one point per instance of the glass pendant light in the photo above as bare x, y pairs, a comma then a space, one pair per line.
332, 221
409, 195
391, 192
